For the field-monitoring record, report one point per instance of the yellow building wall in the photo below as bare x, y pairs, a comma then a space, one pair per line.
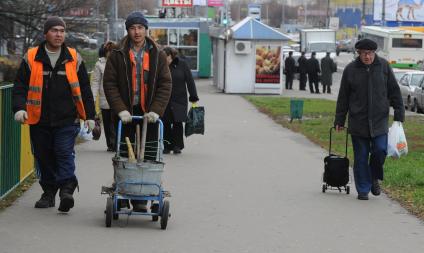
27, 159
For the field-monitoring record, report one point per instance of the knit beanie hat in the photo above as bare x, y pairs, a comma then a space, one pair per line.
53, 21
366, 44
136, 18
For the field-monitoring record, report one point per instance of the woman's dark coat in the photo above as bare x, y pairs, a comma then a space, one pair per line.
327, 68
182, 81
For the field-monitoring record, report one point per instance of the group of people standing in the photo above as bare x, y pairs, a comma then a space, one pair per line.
310, 69
135, 77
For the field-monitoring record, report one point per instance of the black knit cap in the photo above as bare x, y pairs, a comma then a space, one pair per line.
366, 44
136, 17
53, 21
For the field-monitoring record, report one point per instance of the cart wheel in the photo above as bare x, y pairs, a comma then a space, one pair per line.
109, 212
347, 189
164, 215
323, 188
155, 209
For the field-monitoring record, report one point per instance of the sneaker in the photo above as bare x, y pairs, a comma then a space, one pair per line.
166, 151
375, 188
363, 196
177, 150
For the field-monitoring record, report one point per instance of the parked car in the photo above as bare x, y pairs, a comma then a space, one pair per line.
418, 96
344, 46
100, 37
77, 40
409, 81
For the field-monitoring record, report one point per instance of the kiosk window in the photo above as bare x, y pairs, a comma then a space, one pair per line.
407, 43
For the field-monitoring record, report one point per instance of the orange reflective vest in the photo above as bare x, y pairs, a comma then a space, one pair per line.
33, 104
143, 88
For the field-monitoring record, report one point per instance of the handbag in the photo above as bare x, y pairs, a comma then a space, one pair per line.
195, 121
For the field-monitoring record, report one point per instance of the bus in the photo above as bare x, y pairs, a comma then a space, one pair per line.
401, 48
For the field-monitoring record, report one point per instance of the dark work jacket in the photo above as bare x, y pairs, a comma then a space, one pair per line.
366, 93
182, 81
57, 104
312, 66
327, 68
289, 66
302, 65
117, 79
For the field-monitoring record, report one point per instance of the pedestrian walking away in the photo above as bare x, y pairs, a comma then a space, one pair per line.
137, 82
51, 94
303, 70
328, 67
368, 88
97, 89
289, 70
176, 111
313, 69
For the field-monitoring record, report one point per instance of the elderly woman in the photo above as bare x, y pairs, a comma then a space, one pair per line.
176, 111
97, 89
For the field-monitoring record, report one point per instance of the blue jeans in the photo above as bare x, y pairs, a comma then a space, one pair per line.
366, 167
54, 153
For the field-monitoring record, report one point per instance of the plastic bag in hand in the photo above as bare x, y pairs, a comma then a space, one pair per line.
85, 134
397, 145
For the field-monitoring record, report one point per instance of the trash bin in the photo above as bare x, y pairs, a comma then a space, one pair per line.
296, 109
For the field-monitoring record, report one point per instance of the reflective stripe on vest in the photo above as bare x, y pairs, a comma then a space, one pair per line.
143, 88
35, 89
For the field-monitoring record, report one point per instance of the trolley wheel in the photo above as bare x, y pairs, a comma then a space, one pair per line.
324, 188
347, 189
109, 212
155, 209
164, 215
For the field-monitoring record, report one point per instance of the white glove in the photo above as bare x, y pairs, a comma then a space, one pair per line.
125, 117
151, 117
90, 124
21, 116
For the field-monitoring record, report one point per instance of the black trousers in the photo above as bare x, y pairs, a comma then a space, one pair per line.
173, 132
289, 81
326, 88
302, 81
108, 128
129, 130
313, 83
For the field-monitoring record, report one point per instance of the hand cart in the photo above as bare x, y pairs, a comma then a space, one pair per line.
137, 179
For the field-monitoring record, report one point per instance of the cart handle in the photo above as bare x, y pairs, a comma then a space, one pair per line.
331, 132
118, 137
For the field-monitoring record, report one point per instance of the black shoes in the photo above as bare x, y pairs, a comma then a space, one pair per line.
166, 151
363, 196
47, 200
177, 150
48, 197
375, 188
65, 194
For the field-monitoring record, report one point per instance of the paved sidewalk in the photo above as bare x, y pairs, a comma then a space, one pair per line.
247, 185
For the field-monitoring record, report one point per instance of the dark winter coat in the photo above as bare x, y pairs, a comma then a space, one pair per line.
366, 93
302, 65
57, 106
328, 67
117, 79
312, 67
182, 81
289, 66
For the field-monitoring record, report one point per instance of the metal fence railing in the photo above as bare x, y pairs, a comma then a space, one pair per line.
16, 161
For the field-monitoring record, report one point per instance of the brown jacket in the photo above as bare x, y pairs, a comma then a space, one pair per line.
117, 79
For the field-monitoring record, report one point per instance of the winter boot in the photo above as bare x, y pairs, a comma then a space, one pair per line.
65, 194
48, 197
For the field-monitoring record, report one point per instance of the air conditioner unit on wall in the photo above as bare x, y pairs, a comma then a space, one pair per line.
242, 47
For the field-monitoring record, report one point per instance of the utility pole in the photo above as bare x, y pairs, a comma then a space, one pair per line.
328, 14
282, 14
383, 14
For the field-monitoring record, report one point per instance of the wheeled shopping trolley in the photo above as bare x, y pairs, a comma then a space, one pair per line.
137, 179
336, 169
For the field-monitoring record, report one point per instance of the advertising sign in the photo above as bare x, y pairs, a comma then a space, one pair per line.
400, 10
267, 64
177, 3
215, 3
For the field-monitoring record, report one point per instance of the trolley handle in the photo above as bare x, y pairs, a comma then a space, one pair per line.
331, 132
119, 131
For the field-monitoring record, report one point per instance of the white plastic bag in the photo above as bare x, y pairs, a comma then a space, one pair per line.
397, 145
85, 134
